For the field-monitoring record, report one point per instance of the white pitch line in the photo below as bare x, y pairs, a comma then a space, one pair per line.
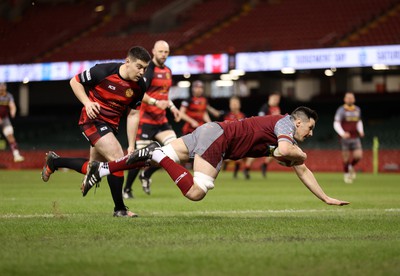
284, 211
214, 212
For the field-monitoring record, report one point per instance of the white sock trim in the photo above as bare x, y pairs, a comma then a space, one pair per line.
170, 152
158, 155
104, 169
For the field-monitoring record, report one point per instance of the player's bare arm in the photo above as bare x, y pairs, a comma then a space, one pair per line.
206, 117
132, 123
92, 108
308, 179
162, 104
176, 113
216, 113
291, 152
13, 109
193, 123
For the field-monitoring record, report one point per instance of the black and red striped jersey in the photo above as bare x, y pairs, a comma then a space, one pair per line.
195, 109
158, 81
111, 91
231, 116
269, 110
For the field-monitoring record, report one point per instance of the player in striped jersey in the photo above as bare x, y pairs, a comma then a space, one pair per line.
195, 110
153, 123
114, 88
235, 114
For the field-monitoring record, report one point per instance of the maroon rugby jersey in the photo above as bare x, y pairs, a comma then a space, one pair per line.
195, 109
5, 105
349, 116
158, 81
256, 136
111, 91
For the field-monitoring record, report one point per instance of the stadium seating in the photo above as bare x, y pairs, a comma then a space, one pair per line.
72, 30
285, 25
383, 30
43, 27
112, 38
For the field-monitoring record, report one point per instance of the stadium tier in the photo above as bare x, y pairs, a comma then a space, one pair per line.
73, 30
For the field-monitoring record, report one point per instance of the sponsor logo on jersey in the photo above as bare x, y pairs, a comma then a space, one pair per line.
111, 87
88, 76
129, 92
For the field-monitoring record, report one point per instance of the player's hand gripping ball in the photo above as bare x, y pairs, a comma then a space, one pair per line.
284, 161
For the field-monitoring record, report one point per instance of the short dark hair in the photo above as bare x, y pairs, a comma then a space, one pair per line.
303, 112
138, 52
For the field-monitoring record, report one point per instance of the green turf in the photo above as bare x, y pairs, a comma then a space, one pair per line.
257, 227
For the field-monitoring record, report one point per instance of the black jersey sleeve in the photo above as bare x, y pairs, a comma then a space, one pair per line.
148, 75
97, 73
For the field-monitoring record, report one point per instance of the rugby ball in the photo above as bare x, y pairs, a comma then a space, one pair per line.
282, 160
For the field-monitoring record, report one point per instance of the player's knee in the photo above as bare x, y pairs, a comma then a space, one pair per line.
202, 184
142, 143
195, 193
8, 130
167, 140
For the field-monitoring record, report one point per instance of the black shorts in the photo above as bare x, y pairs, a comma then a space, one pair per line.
149, 131
94, 131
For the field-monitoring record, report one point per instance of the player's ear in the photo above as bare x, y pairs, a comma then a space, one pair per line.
298, 122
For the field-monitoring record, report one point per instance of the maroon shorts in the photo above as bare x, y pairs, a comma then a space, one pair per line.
94, 131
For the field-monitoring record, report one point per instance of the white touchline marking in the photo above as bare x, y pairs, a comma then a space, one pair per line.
287, 211
214, 212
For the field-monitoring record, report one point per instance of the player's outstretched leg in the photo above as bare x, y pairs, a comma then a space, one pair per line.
143, 154
48, 167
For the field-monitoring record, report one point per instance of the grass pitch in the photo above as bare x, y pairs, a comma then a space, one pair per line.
272, 226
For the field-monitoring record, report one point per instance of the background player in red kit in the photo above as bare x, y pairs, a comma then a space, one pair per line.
7, 109
235, 114
213, 142
270, 108
153, 123
349, 127
196, 108
114, 88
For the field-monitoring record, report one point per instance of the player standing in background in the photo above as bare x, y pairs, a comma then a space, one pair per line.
8, 108
211, 143
235, 114
114, 88
349, 126
269, 108
153, 124
196, 109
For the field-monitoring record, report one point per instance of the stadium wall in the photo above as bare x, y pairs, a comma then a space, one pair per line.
318, 160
